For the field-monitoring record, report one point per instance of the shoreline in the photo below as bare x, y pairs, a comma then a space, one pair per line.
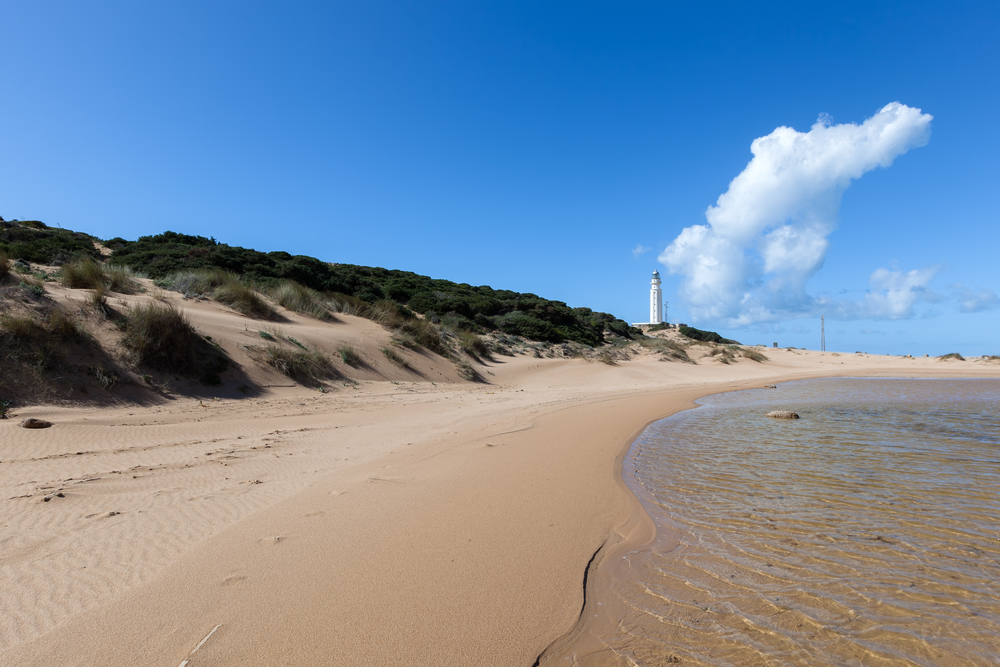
468, 546
583, 644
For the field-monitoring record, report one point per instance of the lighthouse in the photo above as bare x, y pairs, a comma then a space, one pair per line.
655, 300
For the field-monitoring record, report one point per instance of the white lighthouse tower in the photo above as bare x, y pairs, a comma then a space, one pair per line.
655, 300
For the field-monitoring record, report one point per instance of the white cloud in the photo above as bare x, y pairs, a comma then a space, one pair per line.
975, 300
767, 234
893, 294
640, 249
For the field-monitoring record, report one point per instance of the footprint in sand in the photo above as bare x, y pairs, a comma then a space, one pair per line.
234, 580
316, 513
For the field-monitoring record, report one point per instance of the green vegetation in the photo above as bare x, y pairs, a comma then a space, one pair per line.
349, 356
705, 336
293, 296
952, 355
4, 266
38, 341
309, 367
352, 287
160, 336
88, 274
671, 350
222, 286
394, 357
35, 241
754, 355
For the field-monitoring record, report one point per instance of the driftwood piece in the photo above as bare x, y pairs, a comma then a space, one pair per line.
783, 414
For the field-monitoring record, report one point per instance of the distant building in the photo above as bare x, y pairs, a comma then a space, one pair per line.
655, 302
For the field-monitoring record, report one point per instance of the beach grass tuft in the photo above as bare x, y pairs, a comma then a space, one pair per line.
349, 356
303, 300
222, 286
952, 355
308, 367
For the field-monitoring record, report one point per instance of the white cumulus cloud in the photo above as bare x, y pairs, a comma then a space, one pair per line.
767, 234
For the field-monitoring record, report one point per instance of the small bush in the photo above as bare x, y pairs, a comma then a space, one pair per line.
241, 298
705, 336
349, 356
754, 355
87, 274
4, 266
221, 286
606, 357
160, 336
293, 296
98, 300
952, 355
5, 407
120, 279
309, 367
36, 342
467, 372
473, 345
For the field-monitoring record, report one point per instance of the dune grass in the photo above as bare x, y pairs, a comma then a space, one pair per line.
952, 355
160, 336
308, 367
88, 274
394, 357
754, 355
221, 286
349, 355
303, 300
34, 346
400, 319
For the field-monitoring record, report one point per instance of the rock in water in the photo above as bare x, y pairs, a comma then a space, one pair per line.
31, 422
783, 414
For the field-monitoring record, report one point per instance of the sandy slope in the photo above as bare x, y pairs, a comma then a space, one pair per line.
392, 521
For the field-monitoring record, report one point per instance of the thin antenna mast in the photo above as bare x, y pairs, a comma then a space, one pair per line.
822, 333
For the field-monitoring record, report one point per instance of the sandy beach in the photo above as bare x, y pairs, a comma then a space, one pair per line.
411, 519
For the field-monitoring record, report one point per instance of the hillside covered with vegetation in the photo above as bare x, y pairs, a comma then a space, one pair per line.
464, 306
477, 309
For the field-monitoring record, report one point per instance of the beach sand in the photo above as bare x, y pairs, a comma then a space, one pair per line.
395, 521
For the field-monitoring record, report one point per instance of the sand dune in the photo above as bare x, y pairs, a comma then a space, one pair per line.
404, 517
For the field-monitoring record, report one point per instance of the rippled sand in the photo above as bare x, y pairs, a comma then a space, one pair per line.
865, 533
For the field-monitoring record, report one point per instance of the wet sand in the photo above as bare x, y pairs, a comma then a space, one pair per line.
404, 523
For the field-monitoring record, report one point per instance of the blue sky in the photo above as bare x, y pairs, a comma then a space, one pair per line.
524, 145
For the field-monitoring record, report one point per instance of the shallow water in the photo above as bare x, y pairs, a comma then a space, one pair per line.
865, 533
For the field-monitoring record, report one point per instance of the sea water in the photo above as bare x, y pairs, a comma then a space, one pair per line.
865, 533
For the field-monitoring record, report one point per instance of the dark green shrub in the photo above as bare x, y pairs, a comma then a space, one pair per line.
4, 266
705, 336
